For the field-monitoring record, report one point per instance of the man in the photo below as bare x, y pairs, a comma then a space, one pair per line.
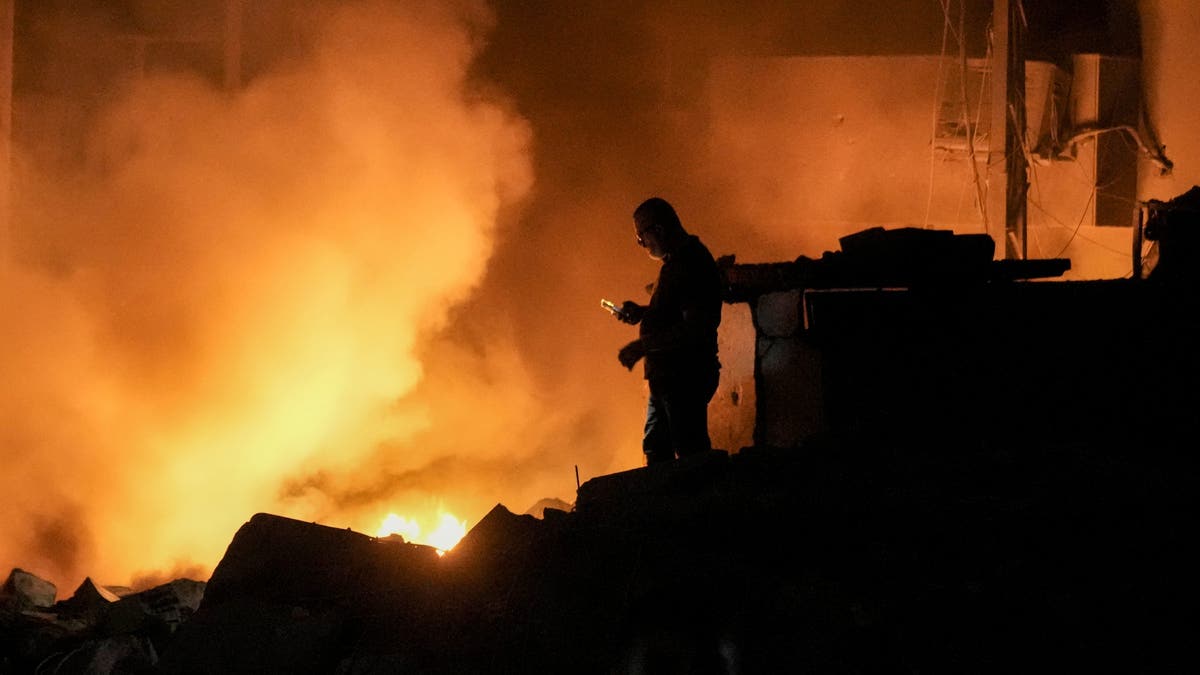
678, 335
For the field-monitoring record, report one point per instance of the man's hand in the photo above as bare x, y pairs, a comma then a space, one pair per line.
631, 353
631, 313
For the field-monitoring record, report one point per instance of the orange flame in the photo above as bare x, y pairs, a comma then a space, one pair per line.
448, 531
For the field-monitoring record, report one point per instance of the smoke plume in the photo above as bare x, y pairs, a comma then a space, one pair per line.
331, 291
224, 290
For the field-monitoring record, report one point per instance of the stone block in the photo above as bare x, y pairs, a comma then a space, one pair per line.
24, 589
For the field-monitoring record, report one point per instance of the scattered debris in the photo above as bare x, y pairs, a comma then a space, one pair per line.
831, 557
902, 539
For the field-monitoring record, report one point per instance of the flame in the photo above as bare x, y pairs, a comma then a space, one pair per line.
448, 532
394, 524
237, 304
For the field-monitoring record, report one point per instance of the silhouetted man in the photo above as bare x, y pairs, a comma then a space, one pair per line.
678, 335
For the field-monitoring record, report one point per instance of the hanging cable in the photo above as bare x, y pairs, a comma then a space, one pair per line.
937, 106
1155, 155
980, 194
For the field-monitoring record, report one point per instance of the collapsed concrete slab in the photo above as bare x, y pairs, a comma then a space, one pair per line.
654, 495
500, 539
291, 597
161, 608
538, 510
96, 631
25, 590
87, 605
104, 656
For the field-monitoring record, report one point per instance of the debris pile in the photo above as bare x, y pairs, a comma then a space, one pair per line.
97, 630
831, 557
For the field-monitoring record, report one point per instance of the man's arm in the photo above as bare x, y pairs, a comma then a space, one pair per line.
631, 353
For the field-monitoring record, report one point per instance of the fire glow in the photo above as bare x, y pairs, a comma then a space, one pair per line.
228, 315
448, 531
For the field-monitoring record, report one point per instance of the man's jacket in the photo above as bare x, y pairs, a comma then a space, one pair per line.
679, 328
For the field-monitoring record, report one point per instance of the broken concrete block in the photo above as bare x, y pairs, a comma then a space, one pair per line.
252, 636
293, 562
500, 538
27, 637
172, 599
538, 510
289, 596
656, 495
90, 593
108, 656
169, 604
119, 591
24, 590
90, 589
89, 602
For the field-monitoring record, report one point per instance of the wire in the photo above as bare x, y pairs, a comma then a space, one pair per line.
1075, 229
937, 105
980, 193
1032, 197
983, 85
1156, 155
1075, 232
1094, 189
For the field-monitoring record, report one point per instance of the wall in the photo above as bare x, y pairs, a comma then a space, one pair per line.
822, 147
1170, 62
827, 146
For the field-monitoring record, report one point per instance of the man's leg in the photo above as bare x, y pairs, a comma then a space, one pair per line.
656, 438
686, 407
689, 424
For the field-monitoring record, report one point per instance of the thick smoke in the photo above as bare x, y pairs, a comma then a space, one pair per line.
333, 292
230, 288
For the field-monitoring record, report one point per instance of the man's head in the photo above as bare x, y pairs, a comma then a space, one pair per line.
657, 227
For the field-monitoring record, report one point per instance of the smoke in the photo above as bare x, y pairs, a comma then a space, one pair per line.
228, 289
334, 293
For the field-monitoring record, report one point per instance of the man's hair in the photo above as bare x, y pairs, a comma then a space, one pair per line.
659, 211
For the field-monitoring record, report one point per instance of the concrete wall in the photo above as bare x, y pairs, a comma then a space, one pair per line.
822, 147
1023, 365
827, 146
1170, 63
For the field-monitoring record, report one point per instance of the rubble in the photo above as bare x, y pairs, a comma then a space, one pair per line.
295, 597
88, 603
925, 528
119, 654
25, 590
830, 557
166, 606
97, 630
539, 509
